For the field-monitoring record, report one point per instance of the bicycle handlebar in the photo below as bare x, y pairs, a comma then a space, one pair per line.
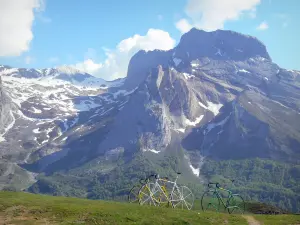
156, 176
217, 185
142, 181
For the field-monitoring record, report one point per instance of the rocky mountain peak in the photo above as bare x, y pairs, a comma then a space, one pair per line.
197, 45
220, 45
61, 74
141, 64
68, 70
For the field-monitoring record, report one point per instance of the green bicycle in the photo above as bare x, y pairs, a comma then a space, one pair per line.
212, 199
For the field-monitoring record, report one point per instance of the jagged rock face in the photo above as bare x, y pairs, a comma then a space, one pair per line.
210, 69
141, 64
1, 97
1, 92
6, 118
251, 126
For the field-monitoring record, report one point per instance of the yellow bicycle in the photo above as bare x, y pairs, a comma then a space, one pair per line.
134, 193
153, 193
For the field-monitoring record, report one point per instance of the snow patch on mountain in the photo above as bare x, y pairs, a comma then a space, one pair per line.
188, 122
213, 107
177, 61
68, 69
36, 131
196, 171
243, 71
86, 105
194, 64
211, 126
182, 130
35, 110
8, 127
194, 123
124, 92
188, 76
151, 150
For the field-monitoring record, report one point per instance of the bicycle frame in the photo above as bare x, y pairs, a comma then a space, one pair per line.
158, 187
230, 194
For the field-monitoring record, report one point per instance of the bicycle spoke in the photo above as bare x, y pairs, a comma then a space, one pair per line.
185, 204
133, 194
176, 204
146, 195
188, 203
145, 201
143, 193
188, 195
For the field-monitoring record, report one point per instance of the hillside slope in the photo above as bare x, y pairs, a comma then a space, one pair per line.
23, 208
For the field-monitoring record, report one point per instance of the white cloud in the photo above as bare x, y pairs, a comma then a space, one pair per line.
16, 18
29, 60
212, 14
116, 62
252, 13
88, 66
263, 26
183, 26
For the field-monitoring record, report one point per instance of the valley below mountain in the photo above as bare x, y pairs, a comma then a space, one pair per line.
216, 108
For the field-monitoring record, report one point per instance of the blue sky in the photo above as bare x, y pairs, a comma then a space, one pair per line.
88, 34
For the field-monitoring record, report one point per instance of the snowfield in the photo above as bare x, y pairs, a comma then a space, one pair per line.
45, 97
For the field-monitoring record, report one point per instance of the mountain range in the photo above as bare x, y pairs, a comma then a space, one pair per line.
215, 107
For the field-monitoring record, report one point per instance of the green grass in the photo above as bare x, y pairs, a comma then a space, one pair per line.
278, 219
25, 208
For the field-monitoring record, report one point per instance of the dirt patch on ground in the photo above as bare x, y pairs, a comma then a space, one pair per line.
20, 215
251, 220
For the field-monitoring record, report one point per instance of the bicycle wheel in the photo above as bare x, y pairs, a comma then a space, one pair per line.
210, 201
146, 195
236, 204
182, 198
133, 194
